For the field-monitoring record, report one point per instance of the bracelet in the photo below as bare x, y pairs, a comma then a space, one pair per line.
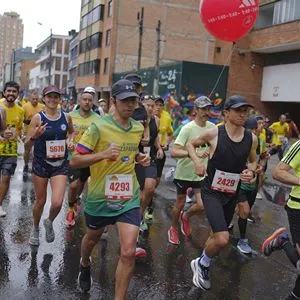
32, 138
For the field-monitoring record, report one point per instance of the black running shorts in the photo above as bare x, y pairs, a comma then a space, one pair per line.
183, 185
132, 216
219, 208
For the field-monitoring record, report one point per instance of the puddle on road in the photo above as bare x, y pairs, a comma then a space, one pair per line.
275, 193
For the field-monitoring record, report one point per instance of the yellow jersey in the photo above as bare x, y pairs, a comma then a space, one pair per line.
113, 188
165, 126
292, 158
280, 132
30, 110
14, 121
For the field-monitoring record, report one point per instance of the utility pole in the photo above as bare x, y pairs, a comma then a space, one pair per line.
50, 58
156, 77
140, 17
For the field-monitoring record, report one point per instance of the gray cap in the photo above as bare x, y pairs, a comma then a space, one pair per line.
123, 89
202, 102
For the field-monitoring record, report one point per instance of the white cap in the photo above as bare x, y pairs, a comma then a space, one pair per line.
90, 90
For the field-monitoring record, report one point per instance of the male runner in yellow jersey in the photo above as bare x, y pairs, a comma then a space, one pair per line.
81, 119
9, 138
110, 148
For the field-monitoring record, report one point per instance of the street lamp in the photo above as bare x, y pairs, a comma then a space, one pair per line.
50, 54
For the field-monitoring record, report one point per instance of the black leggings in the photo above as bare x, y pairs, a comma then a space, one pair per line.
294, 223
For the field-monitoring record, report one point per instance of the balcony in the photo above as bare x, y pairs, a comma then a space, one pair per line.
277, 13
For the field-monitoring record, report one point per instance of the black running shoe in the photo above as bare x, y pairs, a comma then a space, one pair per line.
84, 278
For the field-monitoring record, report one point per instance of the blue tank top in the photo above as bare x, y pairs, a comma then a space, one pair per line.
54, 138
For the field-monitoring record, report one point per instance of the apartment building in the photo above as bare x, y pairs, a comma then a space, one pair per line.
72, 71
11, 37
109, 38
265, 66
53, 56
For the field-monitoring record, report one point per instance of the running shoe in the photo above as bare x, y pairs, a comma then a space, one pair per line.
243, 246
34, 237
2, 212
84, 278
185, 224
70, 220
173, 236
26, 169
200, 274
148, 214
259, 196
275, 241
50, 235
292, 296
140, 252
230, 226
251, 219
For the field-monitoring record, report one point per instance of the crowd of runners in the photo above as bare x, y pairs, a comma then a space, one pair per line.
112, 155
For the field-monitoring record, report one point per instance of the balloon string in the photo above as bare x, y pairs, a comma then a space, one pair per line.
223, 69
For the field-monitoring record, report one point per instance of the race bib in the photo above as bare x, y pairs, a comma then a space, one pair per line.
118, 187
281, 138
56, 149
225, 182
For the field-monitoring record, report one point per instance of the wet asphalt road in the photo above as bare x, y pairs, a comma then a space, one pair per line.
50, 272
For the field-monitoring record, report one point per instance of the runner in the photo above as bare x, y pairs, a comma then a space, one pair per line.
147, 176
81, 120
104, 105
31, 108
280, 132
230, 148
184, 178
280, 239
247, 194
110, 148
98, 110
165, 132
48, 132
9, 138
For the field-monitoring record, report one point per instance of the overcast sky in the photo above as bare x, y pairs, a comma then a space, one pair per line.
60, 15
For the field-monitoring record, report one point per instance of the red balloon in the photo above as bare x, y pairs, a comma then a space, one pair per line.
229, 20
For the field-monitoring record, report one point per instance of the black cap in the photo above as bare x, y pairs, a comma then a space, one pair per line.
251, 123
159, 98
123, 89
134, 78
236, 102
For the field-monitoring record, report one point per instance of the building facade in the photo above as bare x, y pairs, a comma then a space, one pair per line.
109, 38
72, 69
34, 79
11, 37
265, 66
53, 55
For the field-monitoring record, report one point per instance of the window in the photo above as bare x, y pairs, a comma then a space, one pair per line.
91, 42
108, 38
105, 66
93, 16
278, 13
110, 8
89, 67
96, 40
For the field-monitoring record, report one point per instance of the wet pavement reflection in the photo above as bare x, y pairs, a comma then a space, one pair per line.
50, 271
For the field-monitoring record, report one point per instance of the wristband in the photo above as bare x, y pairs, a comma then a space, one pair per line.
32, 138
